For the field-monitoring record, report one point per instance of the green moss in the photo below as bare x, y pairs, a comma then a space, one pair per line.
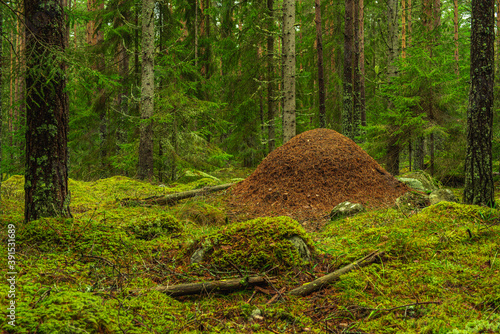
201, 213
255, 244
149, 228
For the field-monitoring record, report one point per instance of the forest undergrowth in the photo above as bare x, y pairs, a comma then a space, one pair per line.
91, 273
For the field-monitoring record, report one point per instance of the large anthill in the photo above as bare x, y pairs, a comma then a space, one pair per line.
311, 174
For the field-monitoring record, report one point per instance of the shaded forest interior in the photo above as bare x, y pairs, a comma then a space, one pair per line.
397, 84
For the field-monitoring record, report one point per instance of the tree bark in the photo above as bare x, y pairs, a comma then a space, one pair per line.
2, 65
393, 146
147, 92
289, 123
359, 115
46, 175
479, 185
271, 98
321, 76
347, 98
455, 35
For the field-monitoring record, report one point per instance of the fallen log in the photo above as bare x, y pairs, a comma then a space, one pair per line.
207, 287
173, 198
319, 283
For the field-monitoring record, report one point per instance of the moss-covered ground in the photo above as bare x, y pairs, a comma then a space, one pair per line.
440, 272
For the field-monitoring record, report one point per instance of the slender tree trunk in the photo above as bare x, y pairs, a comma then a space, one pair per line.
321, 76
289, 125
479, 185
46, 174
359, 115
2, 65
455, 35
418, 162
393, 147
196, 33
271, 98
347, 98
145, 170
403, 29
362, 72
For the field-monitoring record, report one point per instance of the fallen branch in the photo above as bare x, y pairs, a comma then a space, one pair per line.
173, 198
207, 287
319, 283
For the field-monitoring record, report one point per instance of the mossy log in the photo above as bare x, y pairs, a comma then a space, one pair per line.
207, 287
173, 198
317, 284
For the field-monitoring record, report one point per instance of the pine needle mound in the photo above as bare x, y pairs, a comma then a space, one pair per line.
312, 173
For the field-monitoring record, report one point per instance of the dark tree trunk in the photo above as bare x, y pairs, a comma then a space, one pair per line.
418, 162
46, 175
479, 185
271, 98
321, 76
1, 95
347, 98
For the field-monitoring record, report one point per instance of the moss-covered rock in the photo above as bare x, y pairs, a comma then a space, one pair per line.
255, 244
426, 180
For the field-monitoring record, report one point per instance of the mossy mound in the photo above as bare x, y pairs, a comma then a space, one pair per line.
257, 244
400, 234
201, 214
148, 228
312, 173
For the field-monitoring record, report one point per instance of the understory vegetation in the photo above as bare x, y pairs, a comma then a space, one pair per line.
91, 273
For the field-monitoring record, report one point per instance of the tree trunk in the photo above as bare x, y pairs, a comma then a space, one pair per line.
359, 114
479, 185
455, 35
418, 162
321, 76
147, 92
95, 37
393, 147
403, 29
271, 98
362, 72
1, 102
289, 125
46, 175
347, 98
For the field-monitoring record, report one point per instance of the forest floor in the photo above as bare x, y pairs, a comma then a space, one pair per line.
440, 271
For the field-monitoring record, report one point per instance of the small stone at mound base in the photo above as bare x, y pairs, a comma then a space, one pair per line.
346, 209
442, 195
301, 247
